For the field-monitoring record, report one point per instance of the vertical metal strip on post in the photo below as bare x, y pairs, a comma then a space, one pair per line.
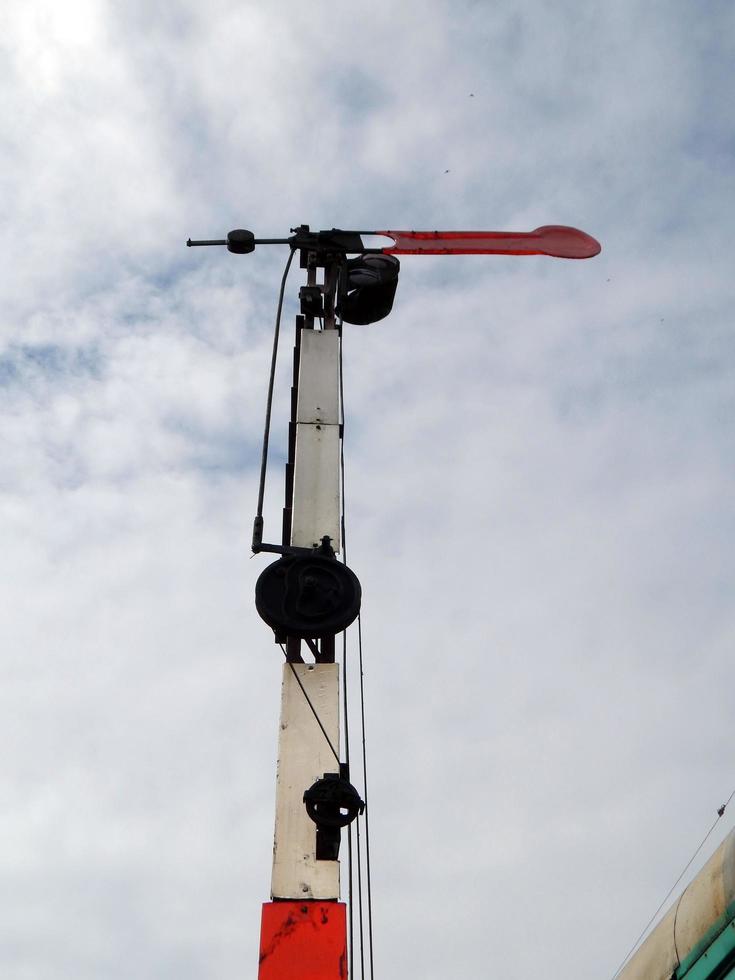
316, 495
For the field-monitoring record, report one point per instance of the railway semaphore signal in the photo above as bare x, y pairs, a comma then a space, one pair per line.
308, 596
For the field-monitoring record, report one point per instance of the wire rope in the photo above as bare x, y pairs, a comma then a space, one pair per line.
269, 399
343, 531
360, 918
364, 897
308, 701
349, 826
634, 947
367, 806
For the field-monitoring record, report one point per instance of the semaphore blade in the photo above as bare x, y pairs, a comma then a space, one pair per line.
559, 241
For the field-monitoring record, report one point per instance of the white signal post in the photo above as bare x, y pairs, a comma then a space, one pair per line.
304, 754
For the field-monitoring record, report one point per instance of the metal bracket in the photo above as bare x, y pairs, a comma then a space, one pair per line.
324, 548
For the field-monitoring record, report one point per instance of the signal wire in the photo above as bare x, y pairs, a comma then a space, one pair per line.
634, 947
308, 701
269, 400
364, 897
367, 810
360, 917
347, 760
350, 857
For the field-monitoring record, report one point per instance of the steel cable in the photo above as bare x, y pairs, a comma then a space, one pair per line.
634, 947
364, 899
308, 701
269, 399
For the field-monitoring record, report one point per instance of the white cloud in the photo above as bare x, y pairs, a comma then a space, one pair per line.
539, 471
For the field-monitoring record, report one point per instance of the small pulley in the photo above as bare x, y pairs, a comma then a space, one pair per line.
308, 596
332, 803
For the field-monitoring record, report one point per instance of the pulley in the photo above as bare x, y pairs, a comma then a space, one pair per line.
308, 596
333, 801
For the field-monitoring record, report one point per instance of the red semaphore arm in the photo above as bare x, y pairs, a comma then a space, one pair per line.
559, 241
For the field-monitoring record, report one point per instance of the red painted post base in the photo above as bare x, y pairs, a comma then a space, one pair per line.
303, 941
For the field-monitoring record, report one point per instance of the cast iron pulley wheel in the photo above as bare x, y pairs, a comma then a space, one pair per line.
308, 596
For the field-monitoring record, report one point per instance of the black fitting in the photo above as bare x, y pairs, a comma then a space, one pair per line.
240, 241
307, 595
257, 534
332, 803
312, 303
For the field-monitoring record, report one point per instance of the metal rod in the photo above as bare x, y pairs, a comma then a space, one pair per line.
223, 241
269, 404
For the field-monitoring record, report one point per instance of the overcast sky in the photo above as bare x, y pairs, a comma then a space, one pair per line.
540, 474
